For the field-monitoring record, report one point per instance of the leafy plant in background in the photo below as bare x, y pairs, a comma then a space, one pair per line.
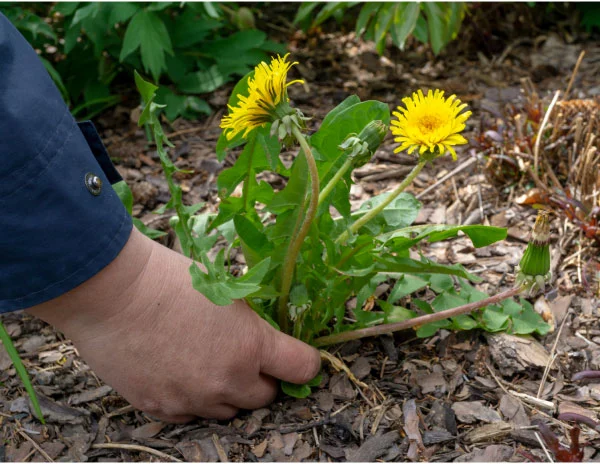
436, 23
304, 262
192, 48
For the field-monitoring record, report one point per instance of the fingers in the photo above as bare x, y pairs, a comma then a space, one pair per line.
174, 419
287, 358
220, 411
256, 394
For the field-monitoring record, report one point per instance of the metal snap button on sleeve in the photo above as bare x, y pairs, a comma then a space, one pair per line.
93, 183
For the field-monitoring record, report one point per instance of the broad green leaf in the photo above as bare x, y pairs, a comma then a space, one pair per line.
405, 21
366, 13
202, 81
235, 45
65, 8
440, 282
430, 329
159, 6
89, 10
406, 285
446, 301
121, 12
344, 105
494, 319
464, 322
401, 212
436, 26
383, 21
294, 390
300, 391
304, 11
527, 320
293, 193
420, 30
188, 29
351, 119
329, 10
255, 244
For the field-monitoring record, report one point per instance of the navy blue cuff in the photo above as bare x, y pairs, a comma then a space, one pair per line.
60, 220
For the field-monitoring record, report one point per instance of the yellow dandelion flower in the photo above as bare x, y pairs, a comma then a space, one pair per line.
430, 122
267, 98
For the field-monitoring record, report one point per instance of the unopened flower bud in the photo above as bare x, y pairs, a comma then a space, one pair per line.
534, 267
282, 126
360, 148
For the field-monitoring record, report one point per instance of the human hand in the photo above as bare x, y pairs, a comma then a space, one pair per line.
167, 349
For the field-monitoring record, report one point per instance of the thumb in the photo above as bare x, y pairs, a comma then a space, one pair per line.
287, 358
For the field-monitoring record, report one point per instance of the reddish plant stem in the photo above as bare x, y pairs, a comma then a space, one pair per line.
414, 322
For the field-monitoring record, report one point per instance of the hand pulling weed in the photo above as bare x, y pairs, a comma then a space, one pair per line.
307, 253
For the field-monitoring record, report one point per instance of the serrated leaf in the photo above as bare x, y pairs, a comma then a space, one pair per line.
222, 288
147, 231
147, 32
407, 265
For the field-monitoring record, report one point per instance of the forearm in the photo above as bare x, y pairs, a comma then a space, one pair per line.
104, 295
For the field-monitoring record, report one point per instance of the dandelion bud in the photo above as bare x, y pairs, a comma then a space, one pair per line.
360, 148
534, 268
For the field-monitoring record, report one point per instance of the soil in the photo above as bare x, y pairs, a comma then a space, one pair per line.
457, 396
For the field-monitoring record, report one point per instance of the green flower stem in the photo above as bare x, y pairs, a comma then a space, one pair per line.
334, 180
289, 263
414, 322
375, 211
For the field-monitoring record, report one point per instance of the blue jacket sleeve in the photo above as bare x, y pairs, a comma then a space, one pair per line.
60, 220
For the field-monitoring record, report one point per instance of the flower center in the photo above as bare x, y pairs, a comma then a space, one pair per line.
429, 123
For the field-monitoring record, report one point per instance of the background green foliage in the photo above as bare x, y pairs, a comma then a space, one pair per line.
436, 23
91, 49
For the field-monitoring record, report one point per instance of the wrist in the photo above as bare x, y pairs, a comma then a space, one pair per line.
104, 296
